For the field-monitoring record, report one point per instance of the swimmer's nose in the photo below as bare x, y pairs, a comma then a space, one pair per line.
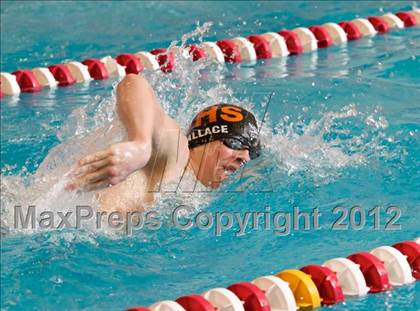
242, 157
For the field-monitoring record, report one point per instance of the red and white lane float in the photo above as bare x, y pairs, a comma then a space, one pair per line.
322, 36
312, 285
373, 270
277, 44
79, 71
166, 305
326, 282
246, 49
131, 63
306, 38
396, 265
45, 77
393, 21
351, 30
113, 67
195, 303
409, 18
364, 26
165, 58
27, 81
213, 51
261, 46
62, 75
148, 60
223, 299
230, 51
279, 295
196, 53
292, 41
236, 50
412, 251
349, 275
416, 14
379, 23
96, 69
252, 297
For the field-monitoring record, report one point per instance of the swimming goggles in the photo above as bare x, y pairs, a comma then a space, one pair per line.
236, 144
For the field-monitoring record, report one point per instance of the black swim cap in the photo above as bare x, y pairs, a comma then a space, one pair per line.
225, 122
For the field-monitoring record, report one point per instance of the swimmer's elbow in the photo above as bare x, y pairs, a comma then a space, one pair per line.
132, 81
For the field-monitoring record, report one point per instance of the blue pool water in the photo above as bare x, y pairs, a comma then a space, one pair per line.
342, 129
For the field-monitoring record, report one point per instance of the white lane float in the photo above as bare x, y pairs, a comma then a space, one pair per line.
277, 44
393, 21
113, 67
166, 305
148, 60
278, 293
79, 71
336, 32
246, 49
223, 299
365, 27
9, 85
45, 77
396, 265
417, 240
307, 39
348, 273
213, 51
416, 13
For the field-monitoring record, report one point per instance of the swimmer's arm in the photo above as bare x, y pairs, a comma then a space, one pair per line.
144, 119
138, 109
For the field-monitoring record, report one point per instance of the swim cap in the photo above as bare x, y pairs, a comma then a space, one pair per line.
232, 124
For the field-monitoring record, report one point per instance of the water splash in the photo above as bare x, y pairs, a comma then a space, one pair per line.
317, 146
322, 148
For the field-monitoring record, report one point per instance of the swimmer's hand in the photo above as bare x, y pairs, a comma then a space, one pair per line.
110, 166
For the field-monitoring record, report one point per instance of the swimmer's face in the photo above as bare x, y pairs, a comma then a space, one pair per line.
218, 162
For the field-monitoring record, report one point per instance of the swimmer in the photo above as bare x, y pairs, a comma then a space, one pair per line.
220, 139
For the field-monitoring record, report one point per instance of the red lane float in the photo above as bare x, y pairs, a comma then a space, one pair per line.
195, 303
165, 58
379, 23
322, 36
373, 270
62, 75
96, 68
412, 251
138, 309
131, 62
196, 52
326, 281
292, 41
351, 30
254, 298
230, 51
261, 46
408, 18
27, 81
